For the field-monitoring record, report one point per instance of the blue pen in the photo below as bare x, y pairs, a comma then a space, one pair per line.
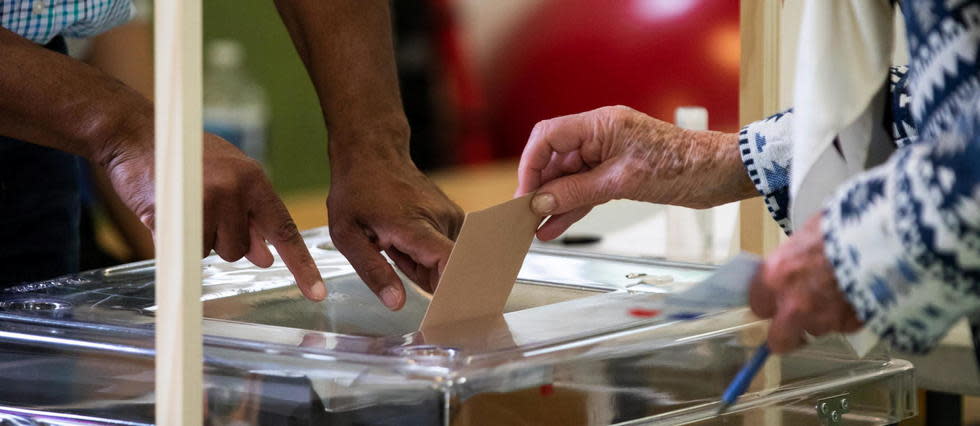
743, 378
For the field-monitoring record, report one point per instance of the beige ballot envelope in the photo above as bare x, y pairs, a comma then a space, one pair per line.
483, 265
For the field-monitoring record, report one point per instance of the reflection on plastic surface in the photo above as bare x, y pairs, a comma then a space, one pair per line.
79, 350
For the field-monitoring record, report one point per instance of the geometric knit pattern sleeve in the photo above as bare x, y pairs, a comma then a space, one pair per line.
904, 237
766, 147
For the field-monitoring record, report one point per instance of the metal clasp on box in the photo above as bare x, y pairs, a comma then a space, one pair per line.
831, 410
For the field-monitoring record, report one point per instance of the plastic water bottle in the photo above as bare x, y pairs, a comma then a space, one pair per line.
679, 238
235, 105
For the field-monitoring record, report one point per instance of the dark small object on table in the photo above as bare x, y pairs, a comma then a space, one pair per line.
580, 239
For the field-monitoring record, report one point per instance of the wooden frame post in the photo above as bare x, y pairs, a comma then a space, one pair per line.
179, 353
758, 96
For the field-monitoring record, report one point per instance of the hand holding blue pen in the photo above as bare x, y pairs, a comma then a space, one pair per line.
744, 378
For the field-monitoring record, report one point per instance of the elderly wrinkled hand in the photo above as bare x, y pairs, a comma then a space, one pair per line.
796, 287
579, 161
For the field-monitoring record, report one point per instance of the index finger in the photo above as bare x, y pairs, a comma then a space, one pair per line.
424, 244
561, 135
274, 223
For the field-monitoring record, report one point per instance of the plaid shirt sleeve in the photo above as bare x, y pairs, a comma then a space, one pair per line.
42, 20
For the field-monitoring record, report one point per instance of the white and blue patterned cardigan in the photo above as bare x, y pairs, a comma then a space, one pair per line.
904, 237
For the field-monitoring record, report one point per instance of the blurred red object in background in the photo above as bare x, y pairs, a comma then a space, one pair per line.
471, 141
570, 56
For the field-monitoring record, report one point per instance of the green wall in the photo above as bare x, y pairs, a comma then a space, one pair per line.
297, 137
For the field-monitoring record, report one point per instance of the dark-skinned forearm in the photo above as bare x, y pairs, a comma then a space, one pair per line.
347, 49
55, 101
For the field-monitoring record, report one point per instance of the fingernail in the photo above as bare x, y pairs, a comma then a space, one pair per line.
318, 291
543, 204
389, 295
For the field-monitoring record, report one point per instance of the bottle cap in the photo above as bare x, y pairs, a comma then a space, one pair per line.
225, 53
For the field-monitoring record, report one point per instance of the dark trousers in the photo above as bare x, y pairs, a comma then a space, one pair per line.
39, 207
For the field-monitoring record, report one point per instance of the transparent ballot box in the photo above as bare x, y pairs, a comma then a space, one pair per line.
586, 340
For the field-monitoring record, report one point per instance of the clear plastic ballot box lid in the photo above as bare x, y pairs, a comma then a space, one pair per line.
586, 339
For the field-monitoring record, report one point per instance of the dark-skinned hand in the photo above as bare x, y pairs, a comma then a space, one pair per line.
241, 209
396, 209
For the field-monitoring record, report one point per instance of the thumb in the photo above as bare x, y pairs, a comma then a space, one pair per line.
570, 192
